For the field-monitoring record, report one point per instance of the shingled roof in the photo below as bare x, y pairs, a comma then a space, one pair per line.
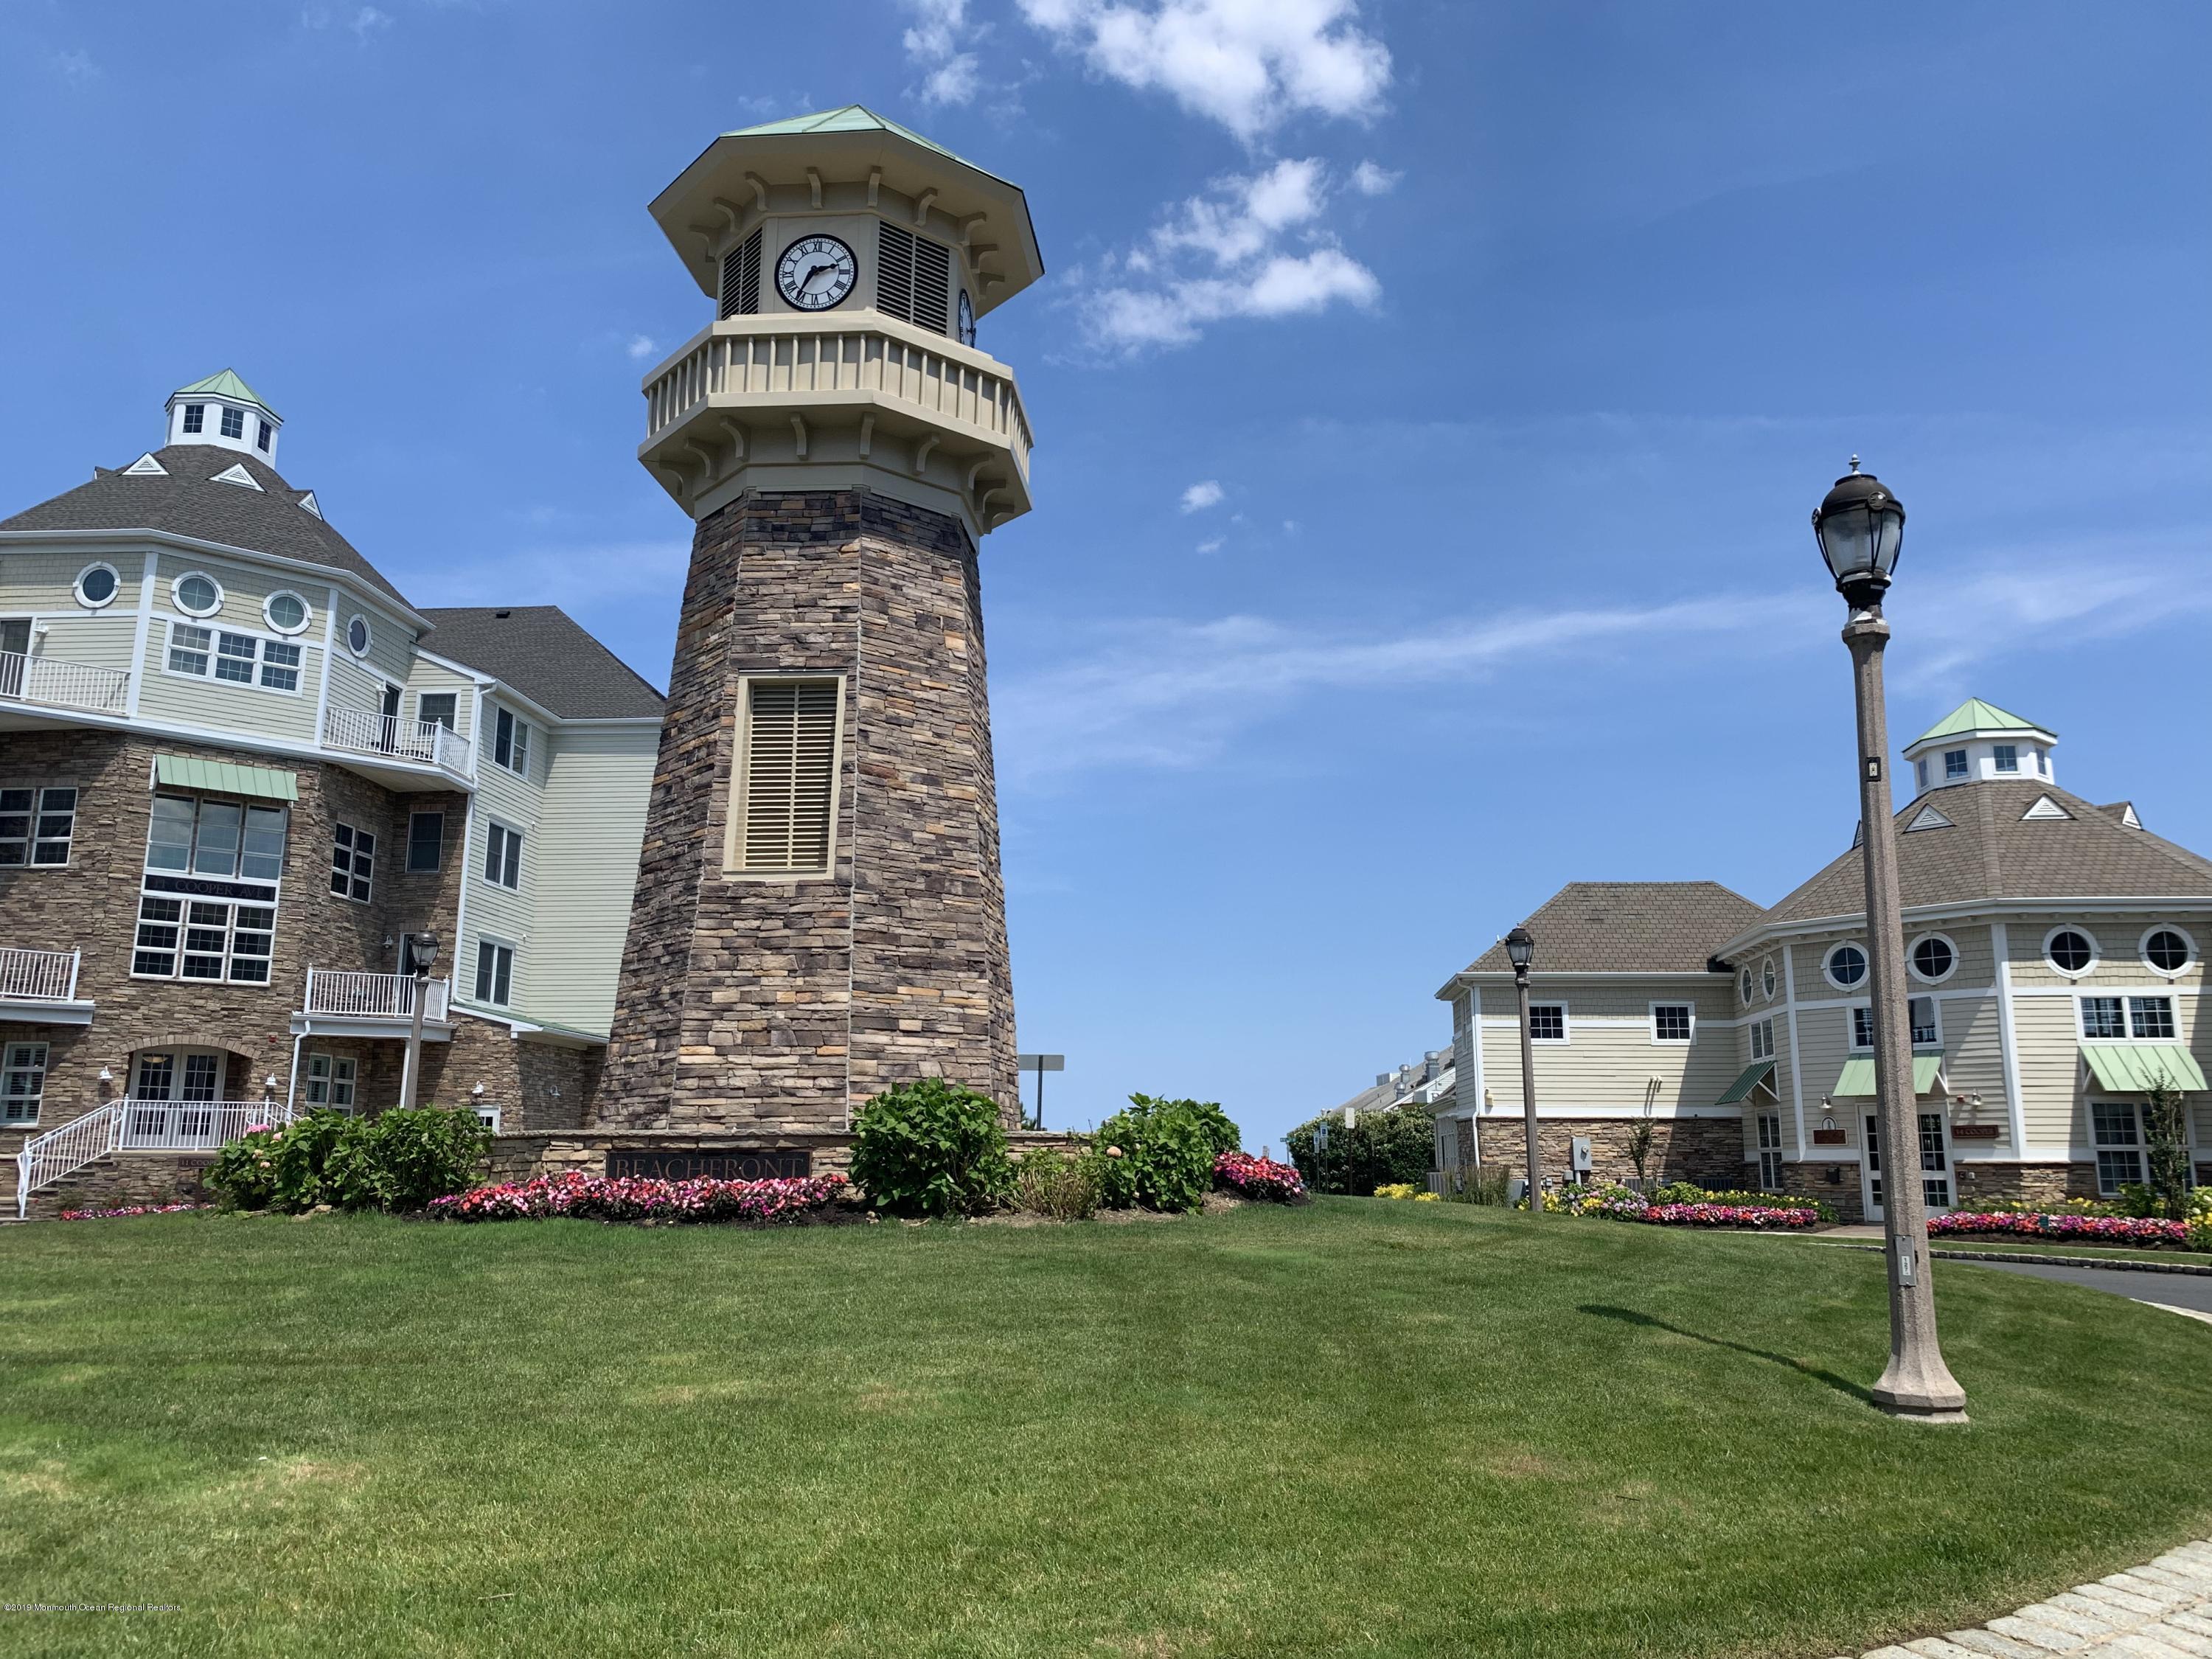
1991, 849
182, 501
1630, 926
545, 654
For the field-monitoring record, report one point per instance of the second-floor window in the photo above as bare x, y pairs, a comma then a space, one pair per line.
426, 842
2115, 1019
194, 417
2150, 1019
1671, 1022
1762, 1039
503, 856
1954, 763
436, 708
353, 862
36, 825
1926, 1029
1861, 1027
239, 659
233, 422
495, 972
1547, 1022
207, 908
510, 745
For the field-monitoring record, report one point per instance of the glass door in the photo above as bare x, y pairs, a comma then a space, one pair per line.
1934, 1163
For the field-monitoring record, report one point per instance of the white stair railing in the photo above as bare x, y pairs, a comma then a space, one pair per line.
136, 1126
40, 975
61, 684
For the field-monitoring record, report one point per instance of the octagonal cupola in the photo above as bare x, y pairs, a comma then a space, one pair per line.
1978, 742
223, 411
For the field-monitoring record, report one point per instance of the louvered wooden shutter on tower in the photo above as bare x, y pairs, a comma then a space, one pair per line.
932, 284
914, 278
790, 775
741, 278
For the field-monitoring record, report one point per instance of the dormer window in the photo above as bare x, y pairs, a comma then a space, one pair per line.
234, 422
2007, 756
2042, 760
194, 417
1955, 765
1920, 773
263, 438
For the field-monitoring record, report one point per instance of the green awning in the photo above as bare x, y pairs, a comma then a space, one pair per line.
2130, 1068
1857, 1078
1758, 1071
222, 778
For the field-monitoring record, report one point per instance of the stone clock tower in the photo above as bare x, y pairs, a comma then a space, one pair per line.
819, 913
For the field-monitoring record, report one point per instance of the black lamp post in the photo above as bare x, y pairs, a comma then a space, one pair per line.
1860, 528
421, 956
1521, 952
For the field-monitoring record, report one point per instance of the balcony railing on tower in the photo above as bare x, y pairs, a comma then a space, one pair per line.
52, 683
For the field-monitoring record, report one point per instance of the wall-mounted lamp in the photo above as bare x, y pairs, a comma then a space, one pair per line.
106, 1076
477, 1090
269, 1082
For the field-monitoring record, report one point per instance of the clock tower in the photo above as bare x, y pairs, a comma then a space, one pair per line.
820, 913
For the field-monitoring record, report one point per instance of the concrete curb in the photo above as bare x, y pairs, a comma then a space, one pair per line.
2037, 1258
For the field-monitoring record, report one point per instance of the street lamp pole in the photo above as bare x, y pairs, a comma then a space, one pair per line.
1860, 527
422, 955
1521, 952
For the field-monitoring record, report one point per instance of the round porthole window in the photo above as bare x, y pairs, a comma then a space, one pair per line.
96, 585
1847, 966
287, 612
357, 636
2167, 949
1766, 978
1744, 984
2071, 950
1934, 957
197, 594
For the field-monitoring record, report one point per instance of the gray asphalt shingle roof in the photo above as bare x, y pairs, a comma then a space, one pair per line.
1630, 926
186, 503
545, 654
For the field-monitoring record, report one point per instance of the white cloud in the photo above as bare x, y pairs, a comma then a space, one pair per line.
368, 20
74, 69
1247, 64
1201, 496
1252, 247
1212, 544
1370, 180
641, 347
936, 44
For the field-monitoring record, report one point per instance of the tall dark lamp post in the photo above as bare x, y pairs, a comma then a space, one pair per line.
422, 956
1521, 951
1861, 526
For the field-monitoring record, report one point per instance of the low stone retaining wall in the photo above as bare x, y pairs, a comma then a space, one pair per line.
675, 1154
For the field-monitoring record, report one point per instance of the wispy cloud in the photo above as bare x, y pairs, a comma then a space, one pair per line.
1248, 64
73, 68
940, 44
641, 347
1201, 496
1211, 544
362, 21
1369, 180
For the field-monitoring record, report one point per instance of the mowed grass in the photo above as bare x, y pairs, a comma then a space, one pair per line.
1357, 1428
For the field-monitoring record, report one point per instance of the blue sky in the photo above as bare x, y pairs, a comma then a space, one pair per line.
1431, 399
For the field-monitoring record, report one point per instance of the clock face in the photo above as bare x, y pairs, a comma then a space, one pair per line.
966, 318
815, 273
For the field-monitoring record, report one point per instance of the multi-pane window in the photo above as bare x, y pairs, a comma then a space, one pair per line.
239, 659
1770, 1152
2150, 1019
503, 856
436, 708
510, 745
199, 938
1671, 1022
194, 417
2101, 1018
2008, 756
353, 862
233, 422
1954, 763
331, 1079
215, 838
1932, 957
2168, 951
2119, 1147
1926, 1031
36, 825
495, 972
188, 648
209, 907
1762, 1039
1861, 1027
1847, 965
2070, 952
425, 841
22, 1081
264, 437
787, 777
1547, 1022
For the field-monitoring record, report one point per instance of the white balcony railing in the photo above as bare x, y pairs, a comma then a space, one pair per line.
39, 975
941, 380
54, 683
136, 1126
364, 732
342, 996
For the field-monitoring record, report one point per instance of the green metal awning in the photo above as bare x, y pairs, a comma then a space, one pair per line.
1857, 1077
1758, 1071
2130, 1068
222, 778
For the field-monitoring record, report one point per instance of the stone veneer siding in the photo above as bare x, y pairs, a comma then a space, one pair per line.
1706, 1150
775, 1008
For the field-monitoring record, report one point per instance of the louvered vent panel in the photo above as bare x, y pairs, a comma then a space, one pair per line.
741, 278
791, 752
933, 285
894, 271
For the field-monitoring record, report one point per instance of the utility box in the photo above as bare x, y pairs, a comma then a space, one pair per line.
1578, 1154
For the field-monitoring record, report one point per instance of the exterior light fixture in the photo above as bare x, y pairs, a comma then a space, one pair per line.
423, 953
106, 1076
421, 956
1521, 952
1860, 526
478, 1090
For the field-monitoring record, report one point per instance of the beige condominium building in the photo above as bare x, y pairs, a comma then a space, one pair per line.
2055, 957
238, 769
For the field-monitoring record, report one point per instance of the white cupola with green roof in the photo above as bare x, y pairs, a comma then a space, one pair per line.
225, 413
1978, 742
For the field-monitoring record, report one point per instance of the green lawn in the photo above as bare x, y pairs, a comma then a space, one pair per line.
1360, 1428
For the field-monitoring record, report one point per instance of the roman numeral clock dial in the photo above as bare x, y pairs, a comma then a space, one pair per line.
815, 273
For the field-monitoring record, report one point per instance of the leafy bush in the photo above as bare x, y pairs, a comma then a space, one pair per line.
244, 1173
1158, 1154
1221, 1135
1482, 1183
1259, 1177
1405, 1189
396, 1161
624, 1198
1050, 1182
1379, 1148
931, 1148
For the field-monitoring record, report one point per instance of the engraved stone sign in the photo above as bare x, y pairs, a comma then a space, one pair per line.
735, 1164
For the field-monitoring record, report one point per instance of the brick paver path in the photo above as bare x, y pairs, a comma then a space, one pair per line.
2160, 1611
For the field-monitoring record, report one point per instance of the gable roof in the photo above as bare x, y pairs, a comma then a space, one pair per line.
545, 654
224, 383
1975, 716
1994, 851
1630, 926
182, 502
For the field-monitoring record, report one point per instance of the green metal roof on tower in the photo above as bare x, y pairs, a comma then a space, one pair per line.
1975, 716
225, 384
852, 117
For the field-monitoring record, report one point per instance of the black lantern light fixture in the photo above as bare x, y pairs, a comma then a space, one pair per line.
422, 953
1520, 949
1860, 526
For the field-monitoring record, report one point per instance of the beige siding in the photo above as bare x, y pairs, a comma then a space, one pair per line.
502, 912
41, 583
424, 675
2050, 1071
98, 639
1609, 1060
591, 831
1974, 1064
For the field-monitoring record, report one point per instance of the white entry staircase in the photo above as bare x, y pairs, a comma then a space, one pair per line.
136, 1126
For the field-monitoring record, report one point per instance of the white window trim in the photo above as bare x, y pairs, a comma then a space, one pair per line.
76, 588
37, 786
1567, 1022
2096, 951
1754, 1027
1658, 1042
406, 864
306, 621
375, 857
1851, 1043
1935, 1005
260, 656
1828, 969
1913, 968
1746, 984
504, 829
734, 831
332, 1081
369, 636
176, 589
2140, 1148
1768, 979
513, 970
518, 723
44, 1068
2142, 950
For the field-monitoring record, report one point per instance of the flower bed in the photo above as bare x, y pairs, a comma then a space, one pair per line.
2143, 1231
604, 1198
1259, 1178
1625, 1204
131, 1209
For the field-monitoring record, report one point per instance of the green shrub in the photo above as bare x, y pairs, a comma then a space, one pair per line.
1221, 1135
1380, 1149
396, 1161
931, 1148
243, 1173
1050, 1182
1482, 1183
1158, 1154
